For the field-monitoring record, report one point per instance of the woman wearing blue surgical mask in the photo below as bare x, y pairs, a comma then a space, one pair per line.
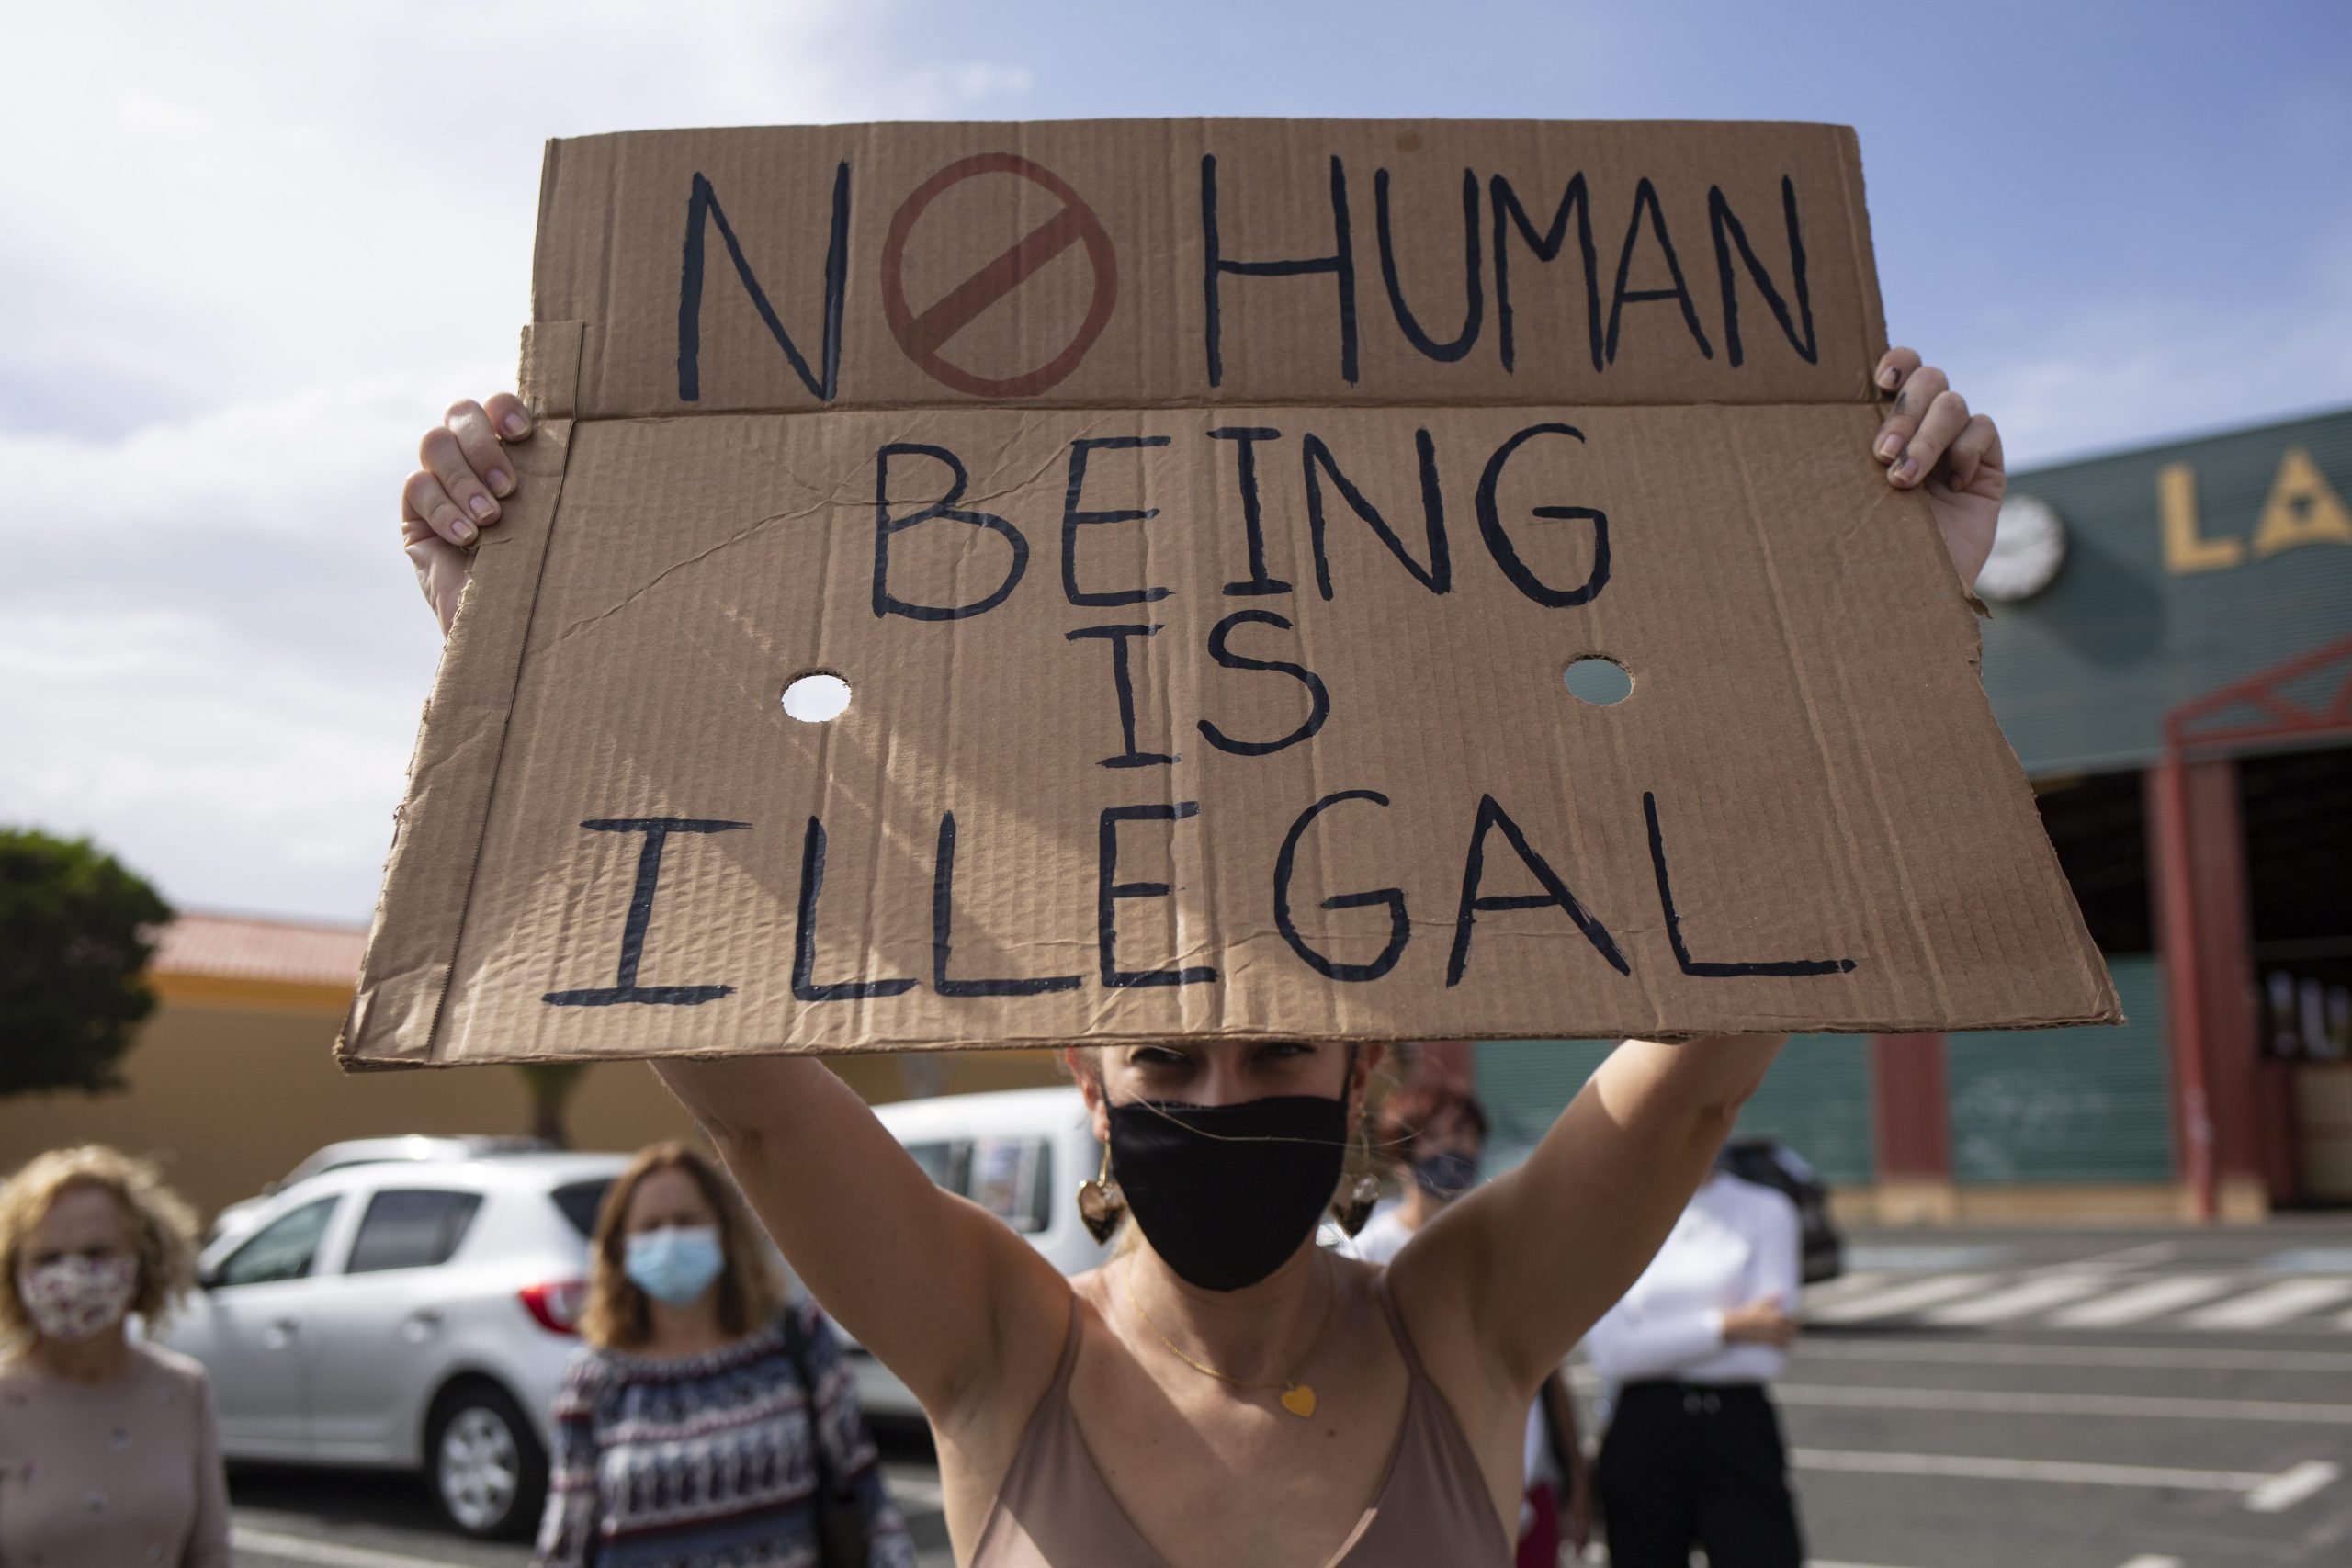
1224, 1393
709, 1423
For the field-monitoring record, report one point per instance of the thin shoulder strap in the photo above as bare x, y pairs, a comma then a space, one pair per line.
1396, 1325
1069, 1352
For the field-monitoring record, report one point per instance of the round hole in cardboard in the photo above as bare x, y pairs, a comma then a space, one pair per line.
1598, 680
816, 698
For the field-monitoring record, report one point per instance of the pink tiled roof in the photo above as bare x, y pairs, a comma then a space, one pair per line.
242, 948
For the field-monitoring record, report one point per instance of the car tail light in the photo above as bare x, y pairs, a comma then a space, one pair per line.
557, 1305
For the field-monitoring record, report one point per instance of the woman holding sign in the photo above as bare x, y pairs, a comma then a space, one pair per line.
1224, 1393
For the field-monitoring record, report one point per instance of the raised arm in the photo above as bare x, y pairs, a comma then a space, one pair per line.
939, 1288
950, 1298
1526, 1264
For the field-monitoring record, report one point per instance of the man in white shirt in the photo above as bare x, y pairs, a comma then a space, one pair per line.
1693, 1455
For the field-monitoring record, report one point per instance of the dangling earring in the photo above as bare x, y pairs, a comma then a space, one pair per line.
1362, 1192
1101, 1204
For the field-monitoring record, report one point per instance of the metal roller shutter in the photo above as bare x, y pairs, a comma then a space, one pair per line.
2068, 1104
1525, 1084
1816, 1100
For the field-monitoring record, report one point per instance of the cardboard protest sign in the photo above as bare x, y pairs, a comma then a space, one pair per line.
1203, 517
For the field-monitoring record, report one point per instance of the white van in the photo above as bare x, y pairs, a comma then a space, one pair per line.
1019, 1154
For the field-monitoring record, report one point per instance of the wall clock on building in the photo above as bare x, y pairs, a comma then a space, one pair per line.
2029, 546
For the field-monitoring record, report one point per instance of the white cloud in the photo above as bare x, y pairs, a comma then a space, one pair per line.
248, 251
225, 771
2138, 371
306, 460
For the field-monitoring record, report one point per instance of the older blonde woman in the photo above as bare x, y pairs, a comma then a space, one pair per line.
109, 1448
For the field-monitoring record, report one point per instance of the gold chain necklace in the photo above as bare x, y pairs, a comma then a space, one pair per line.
1298, 1398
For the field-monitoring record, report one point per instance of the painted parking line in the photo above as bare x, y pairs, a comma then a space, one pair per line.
2136, 1406
325, 1553
2038, 1294
2261, 1493
2139, 1302
2271, 1305
1897, 1299
1974, 1352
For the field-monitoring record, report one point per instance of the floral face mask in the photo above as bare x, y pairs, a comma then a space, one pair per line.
73, 1298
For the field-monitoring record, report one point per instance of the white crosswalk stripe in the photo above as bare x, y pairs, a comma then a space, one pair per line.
2152, 1298
2019, 1300
2091, 1298
1843, 1286
1896, 1300
2272, 1304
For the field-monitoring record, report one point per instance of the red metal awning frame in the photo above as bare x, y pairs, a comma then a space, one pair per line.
2185, 739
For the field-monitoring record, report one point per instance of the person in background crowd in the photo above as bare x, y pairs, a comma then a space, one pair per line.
1693, 1456
1225, 1391
709, 1423
1436, 1136
109, 1446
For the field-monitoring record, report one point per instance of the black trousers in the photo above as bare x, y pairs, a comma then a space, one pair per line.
1686, 1465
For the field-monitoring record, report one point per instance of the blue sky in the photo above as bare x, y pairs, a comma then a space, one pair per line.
248, 251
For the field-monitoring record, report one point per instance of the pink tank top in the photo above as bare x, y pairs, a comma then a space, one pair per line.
1055, 1511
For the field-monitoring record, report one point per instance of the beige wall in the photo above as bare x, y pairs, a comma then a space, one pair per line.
231, 1083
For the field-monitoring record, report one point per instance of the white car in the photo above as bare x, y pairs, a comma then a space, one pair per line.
408, 1315
237, 1217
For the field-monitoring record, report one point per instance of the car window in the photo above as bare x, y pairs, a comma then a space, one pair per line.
1012, 1179
946, 1161
580, 1201
283, 1250
411, 1229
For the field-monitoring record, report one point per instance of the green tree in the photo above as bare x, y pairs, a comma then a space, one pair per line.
76, 929
551, 1085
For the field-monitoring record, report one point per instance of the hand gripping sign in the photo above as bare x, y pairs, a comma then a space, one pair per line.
1195, 525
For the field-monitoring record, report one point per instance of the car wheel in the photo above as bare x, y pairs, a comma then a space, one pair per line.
488, 1472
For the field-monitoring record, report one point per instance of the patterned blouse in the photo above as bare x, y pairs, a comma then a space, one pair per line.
706, 1461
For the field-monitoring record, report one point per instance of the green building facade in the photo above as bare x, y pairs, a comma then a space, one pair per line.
2201, 611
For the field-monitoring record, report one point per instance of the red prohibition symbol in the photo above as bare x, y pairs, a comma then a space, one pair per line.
921, 335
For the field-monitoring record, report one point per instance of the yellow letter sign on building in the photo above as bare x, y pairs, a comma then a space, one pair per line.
2303, 509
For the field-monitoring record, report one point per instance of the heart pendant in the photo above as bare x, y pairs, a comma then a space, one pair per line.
1299, 1400
1353, 1210
1096, 1210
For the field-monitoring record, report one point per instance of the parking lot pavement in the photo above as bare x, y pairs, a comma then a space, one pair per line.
2072, 1400
2142, 1399
286, 1518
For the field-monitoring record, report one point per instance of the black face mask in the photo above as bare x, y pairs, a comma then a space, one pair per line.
1225, 1193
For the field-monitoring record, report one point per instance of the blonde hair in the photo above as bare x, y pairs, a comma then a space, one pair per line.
163, 1226
617, 1317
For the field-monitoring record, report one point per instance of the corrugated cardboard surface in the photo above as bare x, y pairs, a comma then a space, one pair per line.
980, 850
